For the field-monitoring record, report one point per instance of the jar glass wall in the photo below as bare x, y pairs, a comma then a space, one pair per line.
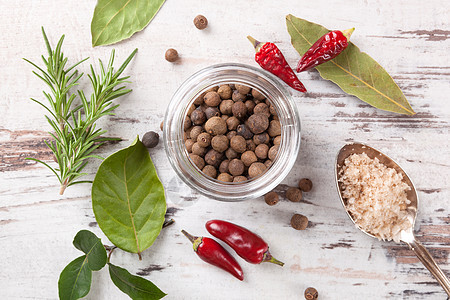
276, 93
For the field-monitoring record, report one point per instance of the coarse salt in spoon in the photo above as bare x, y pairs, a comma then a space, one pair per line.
405, 235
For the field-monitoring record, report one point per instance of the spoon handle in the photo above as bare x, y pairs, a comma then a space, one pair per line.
428, 261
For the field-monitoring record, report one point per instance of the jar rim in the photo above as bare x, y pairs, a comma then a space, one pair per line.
229, 73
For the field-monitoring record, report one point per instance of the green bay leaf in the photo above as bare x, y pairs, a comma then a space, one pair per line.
92, 246
128, 199
355, 72
134, 286
75, 280
116, 20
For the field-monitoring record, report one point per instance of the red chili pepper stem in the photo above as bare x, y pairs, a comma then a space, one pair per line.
269, 258
257, 44
195, 240
348, 33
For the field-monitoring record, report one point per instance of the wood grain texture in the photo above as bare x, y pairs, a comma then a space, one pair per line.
409, 39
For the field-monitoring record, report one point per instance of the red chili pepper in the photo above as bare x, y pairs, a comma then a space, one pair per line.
212, 252
270, 58
247, 244
324, 49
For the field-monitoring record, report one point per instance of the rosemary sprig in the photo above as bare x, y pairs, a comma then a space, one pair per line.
75, 134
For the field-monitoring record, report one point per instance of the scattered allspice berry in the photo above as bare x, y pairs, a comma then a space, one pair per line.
171, 55
294, 194
200, 22
150, 139
271, 198
311, 293
299, 222
305, 184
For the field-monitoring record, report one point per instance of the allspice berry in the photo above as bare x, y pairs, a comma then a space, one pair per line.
231, 134
244, 131
199, 99
204, 139
258, 123
299, 222
257, 95
250, 106
231, 154
224, 91
223, 168
188, 144
198, 150
238, 144
239, 110
256, 169
219, 143
191, 109
294, 194
187, 123
195, 132
225, 177
197, 160
243, 89
236, 96
262, 108
216, 126
239, 179
305, 184
171, 55
200, 22
212, 99
232, 123
248, 157
261, 151
273, 151
268, 163
311, 293
210, 171
277, 140
150, 139
271, 198
226, 107
198, 117
251, 146
212, 157
212, 112
262, 138
274, 128
236, 167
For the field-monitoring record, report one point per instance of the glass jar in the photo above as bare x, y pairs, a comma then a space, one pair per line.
277, 93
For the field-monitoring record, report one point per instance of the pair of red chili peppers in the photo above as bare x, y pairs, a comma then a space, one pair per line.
248, 245
270, 58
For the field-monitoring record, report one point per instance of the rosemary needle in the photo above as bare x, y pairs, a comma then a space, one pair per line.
75, 134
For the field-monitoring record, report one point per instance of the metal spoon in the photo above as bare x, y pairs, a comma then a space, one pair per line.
406, 236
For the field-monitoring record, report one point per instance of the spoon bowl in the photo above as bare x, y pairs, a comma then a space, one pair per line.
407, 235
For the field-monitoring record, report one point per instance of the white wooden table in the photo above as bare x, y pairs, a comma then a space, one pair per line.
410, 38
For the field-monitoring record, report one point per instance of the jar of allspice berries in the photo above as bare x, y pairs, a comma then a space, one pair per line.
232, 132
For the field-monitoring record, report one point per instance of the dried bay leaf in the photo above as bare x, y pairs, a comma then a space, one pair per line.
128, 199
116, 20
75, 280
134, 286
355, 72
